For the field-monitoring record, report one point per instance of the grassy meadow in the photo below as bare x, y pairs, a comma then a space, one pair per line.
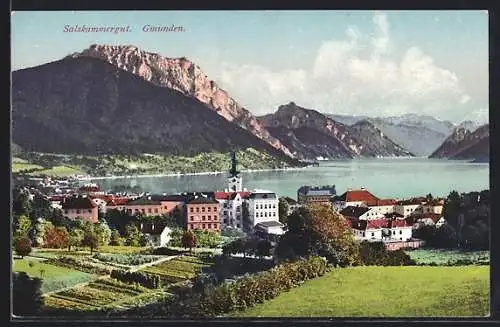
409, 291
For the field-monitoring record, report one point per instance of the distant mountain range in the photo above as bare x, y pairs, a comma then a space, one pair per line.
310, 134
464, 144
123, 100
420, 134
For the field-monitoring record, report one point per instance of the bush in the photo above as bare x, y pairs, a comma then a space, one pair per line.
126, 259
27, 294
80, 264
253, 289
143, 279
22, 246
375, 253
166, 251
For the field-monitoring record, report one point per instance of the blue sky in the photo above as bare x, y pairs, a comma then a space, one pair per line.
349, 62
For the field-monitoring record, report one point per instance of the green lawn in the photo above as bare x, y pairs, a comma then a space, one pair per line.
18, 166
54, 277
417, 291
59, 171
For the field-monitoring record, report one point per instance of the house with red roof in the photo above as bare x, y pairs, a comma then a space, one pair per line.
80, 207
385, 206
354, 198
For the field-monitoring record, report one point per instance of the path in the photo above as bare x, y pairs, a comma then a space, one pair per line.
144, 265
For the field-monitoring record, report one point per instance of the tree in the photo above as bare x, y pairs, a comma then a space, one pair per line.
91, 240
26, 294
41, 228
40, 208
283, 210
177, 217
115, 238
58, 219
23, 226
319, 230
56, 238
451, 208
75, 238
132, 235
119, 220
263, 248
21, 204
103, 232
189, 240
22, 246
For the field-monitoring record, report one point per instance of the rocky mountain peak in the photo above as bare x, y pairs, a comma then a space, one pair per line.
184, 76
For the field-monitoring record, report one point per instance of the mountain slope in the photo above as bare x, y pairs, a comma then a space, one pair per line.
311, 134
87, 106
184, 76
463, 144
419, 134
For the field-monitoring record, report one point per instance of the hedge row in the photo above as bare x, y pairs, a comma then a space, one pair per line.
248, 291
79, 264
146, 280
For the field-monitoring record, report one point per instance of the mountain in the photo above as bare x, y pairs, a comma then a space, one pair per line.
310, 134
183, 76
85, 105
419, 134
470, 125
464, 144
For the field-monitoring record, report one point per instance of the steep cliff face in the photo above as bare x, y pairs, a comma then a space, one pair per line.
184, 76
463, 144
85, 105
311, 134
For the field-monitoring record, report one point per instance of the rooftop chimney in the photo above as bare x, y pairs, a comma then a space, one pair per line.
363, 189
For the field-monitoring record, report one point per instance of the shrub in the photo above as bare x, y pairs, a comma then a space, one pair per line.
375, 253
126, 259
80, 264
166, 251
144, 279
253, 289
27, 295
22, 246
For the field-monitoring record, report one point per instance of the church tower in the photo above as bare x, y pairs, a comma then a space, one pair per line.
234, 181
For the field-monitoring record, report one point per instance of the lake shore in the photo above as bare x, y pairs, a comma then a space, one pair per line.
91, 178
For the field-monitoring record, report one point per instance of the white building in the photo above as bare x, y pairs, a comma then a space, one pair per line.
361, 213
354, 198
261, 206
231, 209
407, 209
159, 234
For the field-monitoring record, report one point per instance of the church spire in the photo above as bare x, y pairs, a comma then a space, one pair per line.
233, 172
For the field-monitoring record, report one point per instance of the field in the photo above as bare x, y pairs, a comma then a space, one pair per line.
101, 294
54, 277
19, 166
416, 291
58, 171
177, 269
443, 257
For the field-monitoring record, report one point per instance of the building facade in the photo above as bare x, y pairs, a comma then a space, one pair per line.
80, 207
316, 194
354, 198
260, 206
203, 214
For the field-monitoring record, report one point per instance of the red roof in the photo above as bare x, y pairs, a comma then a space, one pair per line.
434, 216
360, 196
56, 198
386, 202
118, 201
229, 195
78, 203
104, 197
222, 195
398, 223
376, 223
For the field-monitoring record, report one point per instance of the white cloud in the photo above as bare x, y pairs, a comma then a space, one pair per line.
355, 75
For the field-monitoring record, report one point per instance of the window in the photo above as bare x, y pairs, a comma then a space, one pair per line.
203, 226
393, 232
265, 214
90, 211
400, 232
238, 225
209, 226
209, 217
191, 209
274, 214
77, 210
197, 209
202, 217
149, 210
191, 218
156, 210
209, 209
274, 206
265, 206
373, 234
203, 209
363, 234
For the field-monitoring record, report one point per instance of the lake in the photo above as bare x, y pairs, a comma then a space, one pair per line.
385, 178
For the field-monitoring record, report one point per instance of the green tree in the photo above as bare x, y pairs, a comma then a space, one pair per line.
26, 294
21, 204
319, 230
263, 248
451, 208
283, 210
132, 235
23, 226
91, 239
40, 208
115, 238
22, 246
41, 228
103, 232
189, 240
75, 238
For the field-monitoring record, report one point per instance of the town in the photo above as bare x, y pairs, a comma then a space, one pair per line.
252, 212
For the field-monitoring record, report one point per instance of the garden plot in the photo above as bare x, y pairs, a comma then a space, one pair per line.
177, 269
